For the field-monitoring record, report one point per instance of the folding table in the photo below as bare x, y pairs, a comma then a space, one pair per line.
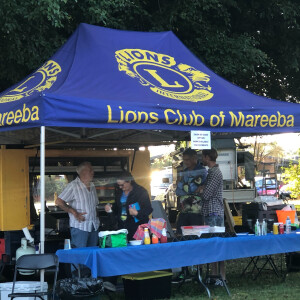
133, 259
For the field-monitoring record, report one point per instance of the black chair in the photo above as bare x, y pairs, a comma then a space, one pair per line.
36, 262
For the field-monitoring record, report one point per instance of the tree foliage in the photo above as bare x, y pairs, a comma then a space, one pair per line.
53, 184
254, 44
291, 176
162, 162
261, 150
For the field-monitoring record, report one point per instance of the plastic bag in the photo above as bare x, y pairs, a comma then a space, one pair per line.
113, 239
70, 288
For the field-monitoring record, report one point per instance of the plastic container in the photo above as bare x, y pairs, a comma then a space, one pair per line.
282, 215
135, 242
20, 287
217, 229
264, 228
276, 228
147, 240
288, 225
147, 285
195, 230
257, 228
163, 238
154, 239
281, 228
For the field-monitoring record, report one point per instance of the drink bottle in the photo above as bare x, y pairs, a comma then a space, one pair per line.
288, 225
146, 237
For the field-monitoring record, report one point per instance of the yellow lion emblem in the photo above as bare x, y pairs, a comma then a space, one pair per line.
188, 83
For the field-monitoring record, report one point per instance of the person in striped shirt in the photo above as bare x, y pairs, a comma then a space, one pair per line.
79, 199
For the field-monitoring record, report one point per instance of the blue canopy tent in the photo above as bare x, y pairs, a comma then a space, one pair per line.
112, 81
105, 78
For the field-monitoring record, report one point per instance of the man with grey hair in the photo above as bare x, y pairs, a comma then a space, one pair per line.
79, 200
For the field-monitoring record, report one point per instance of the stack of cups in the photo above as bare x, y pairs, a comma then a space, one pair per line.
67, 244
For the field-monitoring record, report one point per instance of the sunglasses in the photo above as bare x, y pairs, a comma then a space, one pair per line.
122, 185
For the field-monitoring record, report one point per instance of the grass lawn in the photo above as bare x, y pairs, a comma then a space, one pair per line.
266, 286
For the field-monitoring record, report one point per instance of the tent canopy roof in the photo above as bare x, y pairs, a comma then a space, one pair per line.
108, 81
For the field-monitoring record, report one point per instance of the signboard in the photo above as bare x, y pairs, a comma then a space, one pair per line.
200, 139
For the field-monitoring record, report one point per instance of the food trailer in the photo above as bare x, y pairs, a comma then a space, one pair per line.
20, 189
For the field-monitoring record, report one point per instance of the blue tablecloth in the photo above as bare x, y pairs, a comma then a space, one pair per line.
134, 259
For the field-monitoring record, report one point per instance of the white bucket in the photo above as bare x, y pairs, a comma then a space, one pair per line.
20, 287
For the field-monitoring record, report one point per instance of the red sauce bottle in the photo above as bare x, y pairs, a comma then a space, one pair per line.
154, 239
163, 238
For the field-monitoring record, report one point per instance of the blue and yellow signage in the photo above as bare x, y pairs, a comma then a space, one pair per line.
39, 81
105, 78
164, 76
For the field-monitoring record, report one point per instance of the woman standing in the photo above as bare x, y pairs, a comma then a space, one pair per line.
132, 206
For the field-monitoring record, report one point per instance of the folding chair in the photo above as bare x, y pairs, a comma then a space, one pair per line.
36, 262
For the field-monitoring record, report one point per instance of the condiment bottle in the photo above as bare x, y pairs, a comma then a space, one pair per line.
257, 228
154, 239
163, 238
281, 228
146, 236
264, 228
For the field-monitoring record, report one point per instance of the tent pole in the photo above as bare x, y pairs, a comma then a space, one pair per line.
42, 197
42, 184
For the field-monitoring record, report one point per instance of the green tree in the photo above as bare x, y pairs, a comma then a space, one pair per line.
53, 184
161, 162
291, 175
275, 151
32, 30
261, 150
254, 44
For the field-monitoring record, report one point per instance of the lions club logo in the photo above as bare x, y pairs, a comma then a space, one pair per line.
39, 81
164, 77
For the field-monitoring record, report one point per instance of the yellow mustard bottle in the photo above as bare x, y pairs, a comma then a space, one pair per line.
146, 236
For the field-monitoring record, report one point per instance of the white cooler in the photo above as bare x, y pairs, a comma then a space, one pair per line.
20, 287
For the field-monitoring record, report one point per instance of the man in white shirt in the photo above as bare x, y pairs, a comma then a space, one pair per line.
79, 200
